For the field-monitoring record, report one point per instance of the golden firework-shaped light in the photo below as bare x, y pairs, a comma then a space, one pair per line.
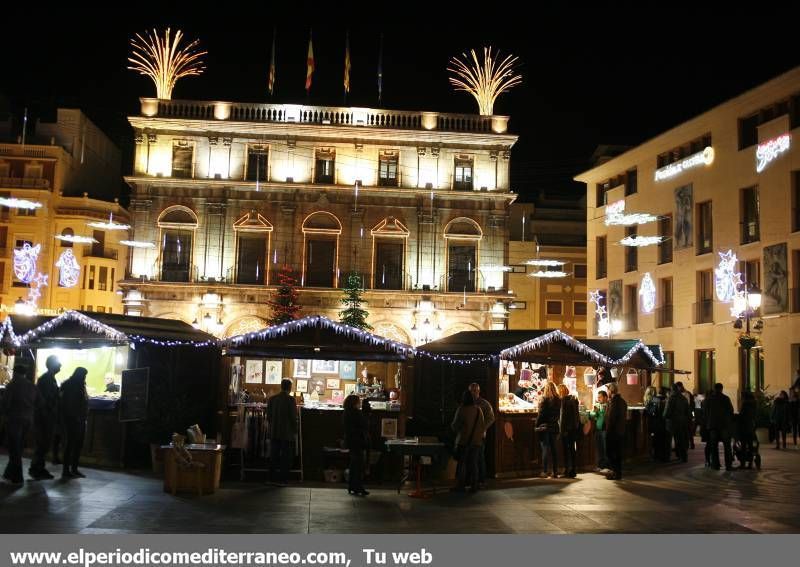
163, 60
485, 80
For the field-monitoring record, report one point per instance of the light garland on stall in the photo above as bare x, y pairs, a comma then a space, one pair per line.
318, 322
551, 337
69, 270
14, 203
137, 243
110, 225
640, 241
7, 328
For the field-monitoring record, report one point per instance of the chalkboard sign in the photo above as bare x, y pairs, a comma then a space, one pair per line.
133, 397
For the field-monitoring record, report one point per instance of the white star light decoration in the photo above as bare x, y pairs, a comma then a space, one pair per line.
69, 269
727, 279
647, 291
603, 324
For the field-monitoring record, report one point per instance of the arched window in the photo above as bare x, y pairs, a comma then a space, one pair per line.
463, 236
321, 232
177, 225
67, 232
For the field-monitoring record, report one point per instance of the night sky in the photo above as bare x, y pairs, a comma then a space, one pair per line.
590, 77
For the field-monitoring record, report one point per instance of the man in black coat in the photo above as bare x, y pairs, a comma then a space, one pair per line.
719, 421
676, 414
46, 418
19, 404
282, 418
616, 418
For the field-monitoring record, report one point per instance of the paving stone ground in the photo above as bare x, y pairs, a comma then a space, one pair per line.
667, 498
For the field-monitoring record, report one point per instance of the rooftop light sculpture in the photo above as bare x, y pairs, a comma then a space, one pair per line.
164, 60
484, 79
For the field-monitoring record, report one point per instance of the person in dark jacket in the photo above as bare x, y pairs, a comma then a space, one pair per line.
355, 439
569, 424
746, 427
547, 428
719, 421
656, 425
692, 424
794, 413
616, 422
469, 426
676, 416
488, 418
282, 419
779, 417
46, 418
20, 402
74, 412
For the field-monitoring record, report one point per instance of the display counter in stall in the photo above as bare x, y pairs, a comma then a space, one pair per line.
511, 368
326, 362
170, 368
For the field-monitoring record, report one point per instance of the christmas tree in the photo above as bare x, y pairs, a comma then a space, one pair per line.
353, 314
284, 305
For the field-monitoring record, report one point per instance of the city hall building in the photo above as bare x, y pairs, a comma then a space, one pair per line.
225, 194
724, 184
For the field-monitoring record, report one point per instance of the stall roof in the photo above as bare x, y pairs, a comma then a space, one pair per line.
316, 337
102, 328
543, 346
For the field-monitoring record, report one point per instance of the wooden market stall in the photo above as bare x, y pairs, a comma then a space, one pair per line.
499, 360
326, 361
147, 377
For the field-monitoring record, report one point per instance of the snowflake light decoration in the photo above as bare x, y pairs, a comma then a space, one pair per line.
25, 262
69, 269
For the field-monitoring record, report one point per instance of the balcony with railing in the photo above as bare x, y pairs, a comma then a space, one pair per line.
24, 183
704, 311
323, 115
664, 316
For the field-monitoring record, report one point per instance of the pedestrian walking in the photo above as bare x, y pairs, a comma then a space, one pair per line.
20, 402
691, 423
488, 420
46, 418
282, 420
676, 418
547, 428
779, 417
468, 424
355, 439
74, 412
719, 420
569, 424
615, 427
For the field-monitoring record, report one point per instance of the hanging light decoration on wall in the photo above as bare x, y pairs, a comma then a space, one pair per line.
75, 239
495, 268
548, 274
544, 262
647, 291
137, 243
110, 225
69, 270
640, 241
615, 216
14, 203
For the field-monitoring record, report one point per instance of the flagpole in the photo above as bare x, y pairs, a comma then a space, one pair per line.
309, 65
24, 126
346, 66
380, 71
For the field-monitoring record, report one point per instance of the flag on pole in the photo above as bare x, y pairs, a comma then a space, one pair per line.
347, 63
309, 63
271, 80
380, 71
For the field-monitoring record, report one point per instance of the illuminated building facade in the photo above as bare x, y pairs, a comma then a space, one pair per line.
415, 202
725, 181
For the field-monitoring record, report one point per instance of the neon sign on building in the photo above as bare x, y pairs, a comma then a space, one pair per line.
706, 157
770, 150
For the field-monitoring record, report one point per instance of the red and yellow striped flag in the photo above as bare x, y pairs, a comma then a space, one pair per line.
309, 64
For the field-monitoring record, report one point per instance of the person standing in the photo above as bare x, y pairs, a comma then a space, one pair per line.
282, 419
656, 426
468, 423
780, 418
46, 418
719, 420
547, 428
691, 423
794, 413
74, 412
616, 422
569, 424
598, 414
20, 402
355, 439
676, 417
746, 428
488, 420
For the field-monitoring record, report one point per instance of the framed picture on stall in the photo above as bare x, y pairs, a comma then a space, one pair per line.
273, 371
337, 397
317, 386
349, 389
302, 368
254, 372
301, 386
389, 428
325, 366
332, 383
347, 370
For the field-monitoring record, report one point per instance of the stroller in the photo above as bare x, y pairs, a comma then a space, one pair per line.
745, 447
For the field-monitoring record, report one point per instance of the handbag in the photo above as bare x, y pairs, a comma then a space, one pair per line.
458, 453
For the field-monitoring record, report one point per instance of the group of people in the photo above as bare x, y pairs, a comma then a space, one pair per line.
48, 410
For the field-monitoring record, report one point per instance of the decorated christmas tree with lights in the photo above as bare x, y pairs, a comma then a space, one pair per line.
284, 306
353, 314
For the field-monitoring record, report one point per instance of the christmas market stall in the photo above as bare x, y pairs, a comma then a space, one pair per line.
147, 377
326, 361
511, 368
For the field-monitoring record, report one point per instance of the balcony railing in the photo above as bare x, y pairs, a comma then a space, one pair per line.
323, 115
93, 252
24, 183
704, 311
664, 316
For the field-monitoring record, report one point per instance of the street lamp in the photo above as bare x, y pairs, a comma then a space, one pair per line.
746, 304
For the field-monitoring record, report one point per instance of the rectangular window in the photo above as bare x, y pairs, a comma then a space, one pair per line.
749, 215
2, 277
98, 247
89, 308
704, 311
667, 378
320, 263
751, 369
602, 190
388, 264
182, 160
705, 370
3, 237
91, 278
257, 161
461, 268
33, 171
579, 272
176, 254
462, 179
664, 313
796, 200
631, 182
579, 308
601, 257
5, 169
102, 279
795, 292
748, 131
665, 246
751, 272
111, 285
251, 258
26, 212
631, 307
387, 170
631, 252
324, 167
101, 309
554, 307
705, 238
